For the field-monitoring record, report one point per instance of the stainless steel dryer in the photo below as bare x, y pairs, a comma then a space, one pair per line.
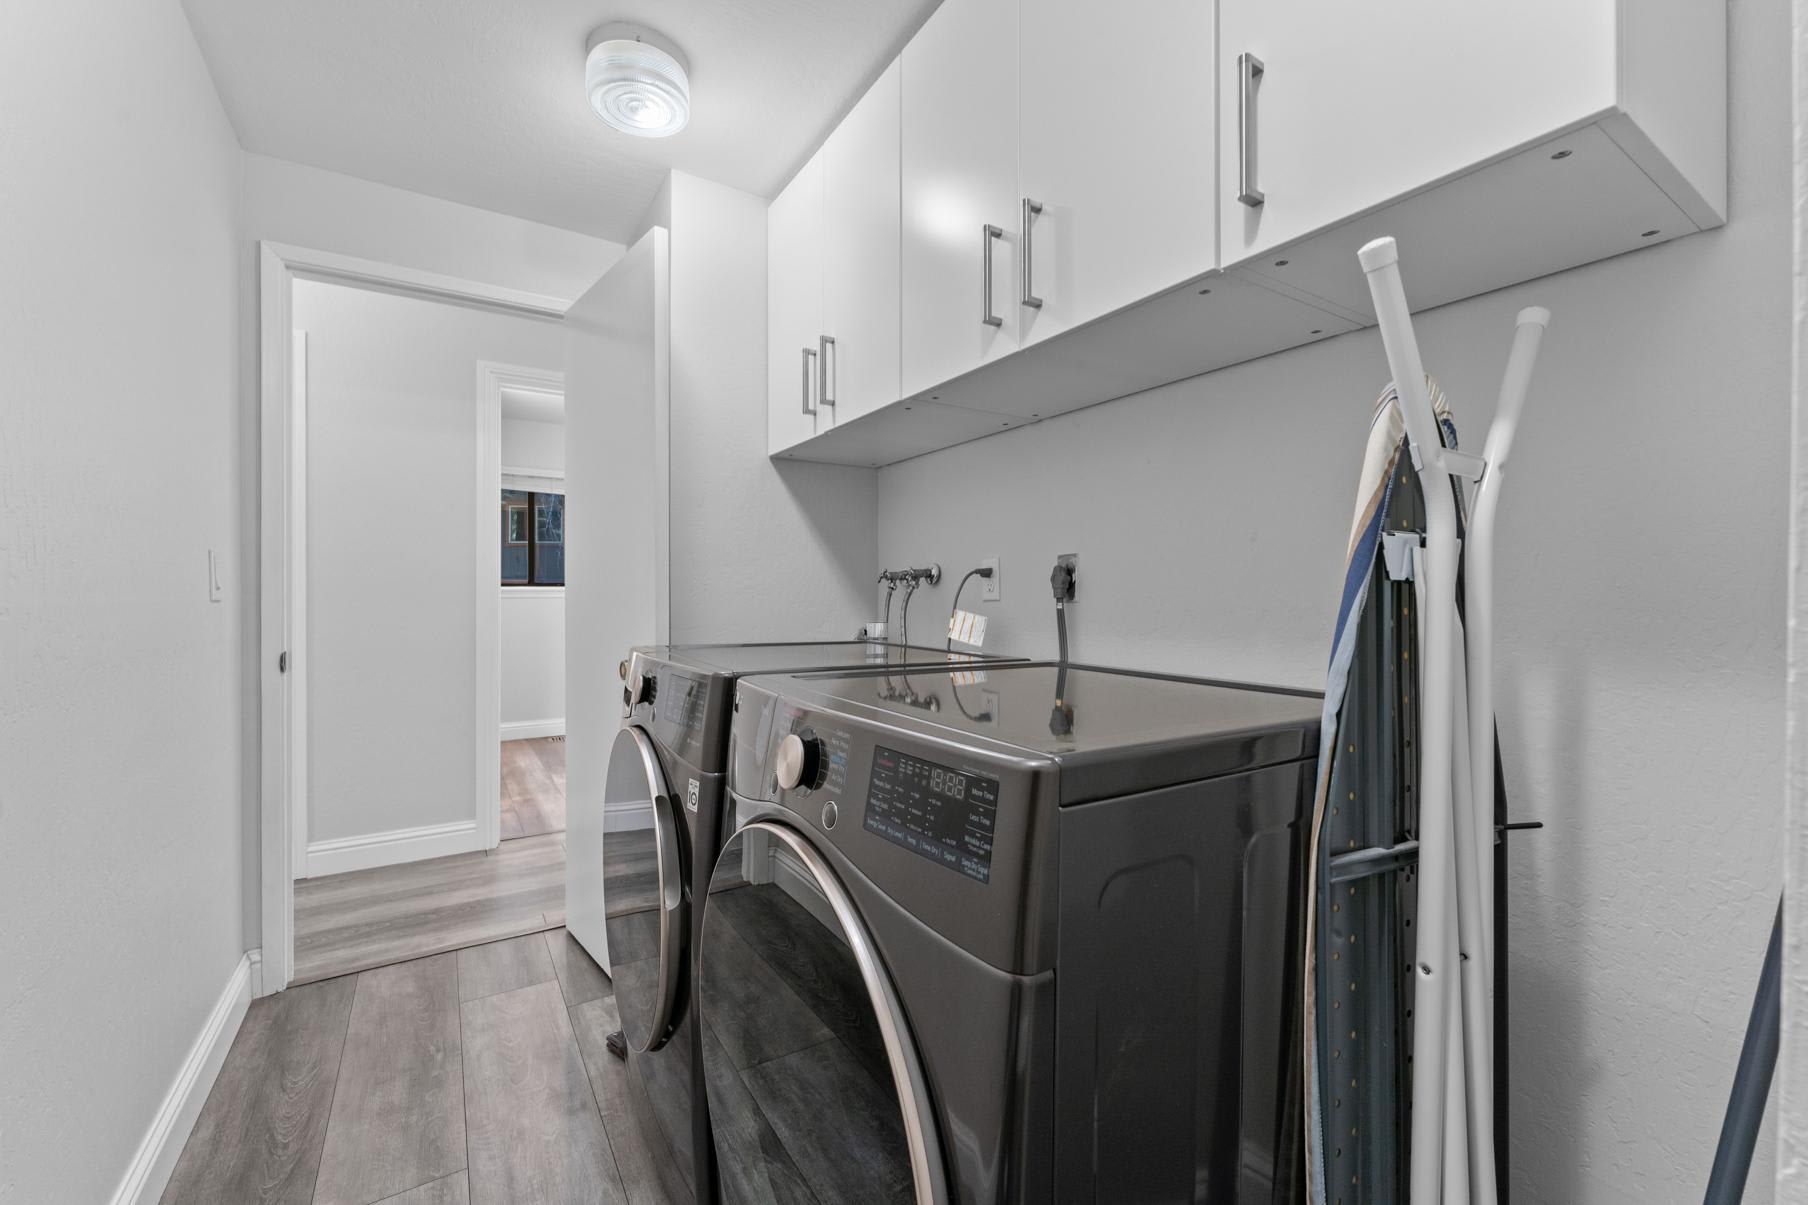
631, 866
1009, 934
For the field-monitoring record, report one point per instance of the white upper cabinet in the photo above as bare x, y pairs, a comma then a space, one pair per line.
1118, 134
1529, 137
861, 230
1331, 109
1047, 204
959, 192
794, 326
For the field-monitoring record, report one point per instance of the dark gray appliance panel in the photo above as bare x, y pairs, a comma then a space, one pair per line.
1181, 911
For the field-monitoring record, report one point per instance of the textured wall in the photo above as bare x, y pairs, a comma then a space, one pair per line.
533, 445
1641, 617
1792, 1076
533, 656
120, 816
391, 440
761, 550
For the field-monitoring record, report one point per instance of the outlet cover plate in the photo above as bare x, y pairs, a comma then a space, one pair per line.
989, 586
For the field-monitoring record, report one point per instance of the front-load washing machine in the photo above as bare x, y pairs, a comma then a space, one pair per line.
631, 864
1039, 941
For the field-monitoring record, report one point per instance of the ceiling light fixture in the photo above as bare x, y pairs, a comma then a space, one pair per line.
637, 81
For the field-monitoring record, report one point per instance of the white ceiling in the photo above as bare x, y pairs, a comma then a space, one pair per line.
482, 101
531, 405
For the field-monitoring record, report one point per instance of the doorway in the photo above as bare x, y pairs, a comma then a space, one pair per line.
531, 533
381, 615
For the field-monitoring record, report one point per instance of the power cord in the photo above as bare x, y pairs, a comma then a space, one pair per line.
984, 571
1061, 581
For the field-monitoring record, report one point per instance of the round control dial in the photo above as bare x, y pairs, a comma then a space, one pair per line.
801, 761
640, 689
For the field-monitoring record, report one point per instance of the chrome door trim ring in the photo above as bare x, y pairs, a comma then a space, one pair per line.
674, 919
929, 1180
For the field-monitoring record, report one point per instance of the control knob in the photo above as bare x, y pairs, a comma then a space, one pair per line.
639, 690
800, 761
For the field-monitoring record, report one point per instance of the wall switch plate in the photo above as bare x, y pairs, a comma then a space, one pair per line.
988, 586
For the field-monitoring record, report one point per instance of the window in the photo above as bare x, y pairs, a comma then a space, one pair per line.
533, 538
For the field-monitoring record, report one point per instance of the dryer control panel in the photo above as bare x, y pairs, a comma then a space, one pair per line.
960, 836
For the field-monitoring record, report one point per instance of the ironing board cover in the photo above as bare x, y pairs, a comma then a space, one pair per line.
1369, 715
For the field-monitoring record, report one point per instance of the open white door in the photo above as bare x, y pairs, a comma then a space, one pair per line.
617, 471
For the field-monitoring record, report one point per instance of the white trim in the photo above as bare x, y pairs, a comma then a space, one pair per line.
530, 592
516, 480
492, 379
277, 715
149, 1172
283, 577
298, 604
392, 848
516, 470
389, 278
528, 730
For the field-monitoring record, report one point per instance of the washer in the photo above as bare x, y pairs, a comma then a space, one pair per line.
1038, 941
632, 862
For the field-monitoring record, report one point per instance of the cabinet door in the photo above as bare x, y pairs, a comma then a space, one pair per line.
793, 308
1356, 104
959, 177
860, 272
1118, 152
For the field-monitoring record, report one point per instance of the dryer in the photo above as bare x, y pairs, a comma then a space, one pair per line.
1017, 933
631, 864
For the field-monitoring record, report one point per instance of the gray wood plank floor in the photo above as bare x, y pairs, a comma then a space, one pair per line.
368, 918
398, 1118
533, 787
399, 1086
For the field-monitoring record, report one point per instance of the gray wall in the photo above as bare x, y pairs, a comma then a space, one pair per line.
392, 384
120, 815
1792, 1075
1641, 617
761, 549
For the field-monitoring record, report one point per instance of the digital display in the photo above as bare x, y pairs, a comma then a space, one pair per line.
938, 812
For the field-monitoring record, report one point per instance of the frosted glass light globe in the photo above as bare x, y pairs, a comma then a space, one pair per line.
636, 86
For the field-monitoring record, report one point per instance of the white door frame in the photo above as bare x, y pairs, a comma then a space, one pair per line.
283, 559
492, 379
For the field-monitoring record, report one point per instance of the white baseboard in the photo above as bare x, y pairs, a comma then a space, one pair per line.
623, 820
392, 848
149, 1172
527, 730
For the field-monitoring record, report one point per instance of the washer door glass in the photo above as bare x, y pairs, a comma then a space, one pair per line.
643, 891
815, 1089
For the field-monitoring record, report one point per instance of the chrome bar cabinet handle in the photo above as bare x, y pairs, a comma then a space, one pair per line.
1249, 74
809, 354
1030, 210
825, 375
987, 234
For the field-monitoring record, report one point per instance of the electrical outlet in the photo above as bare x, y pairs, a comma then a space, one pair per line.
988, 586
213, 576
1072, 561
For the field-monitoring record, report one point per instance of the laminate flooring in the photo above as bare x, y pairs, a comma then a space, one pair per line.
471, 1077
533, 787
370, 918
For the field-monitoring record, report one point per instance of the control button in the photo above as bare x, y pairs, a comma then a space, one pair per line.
800, 761
829, 814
